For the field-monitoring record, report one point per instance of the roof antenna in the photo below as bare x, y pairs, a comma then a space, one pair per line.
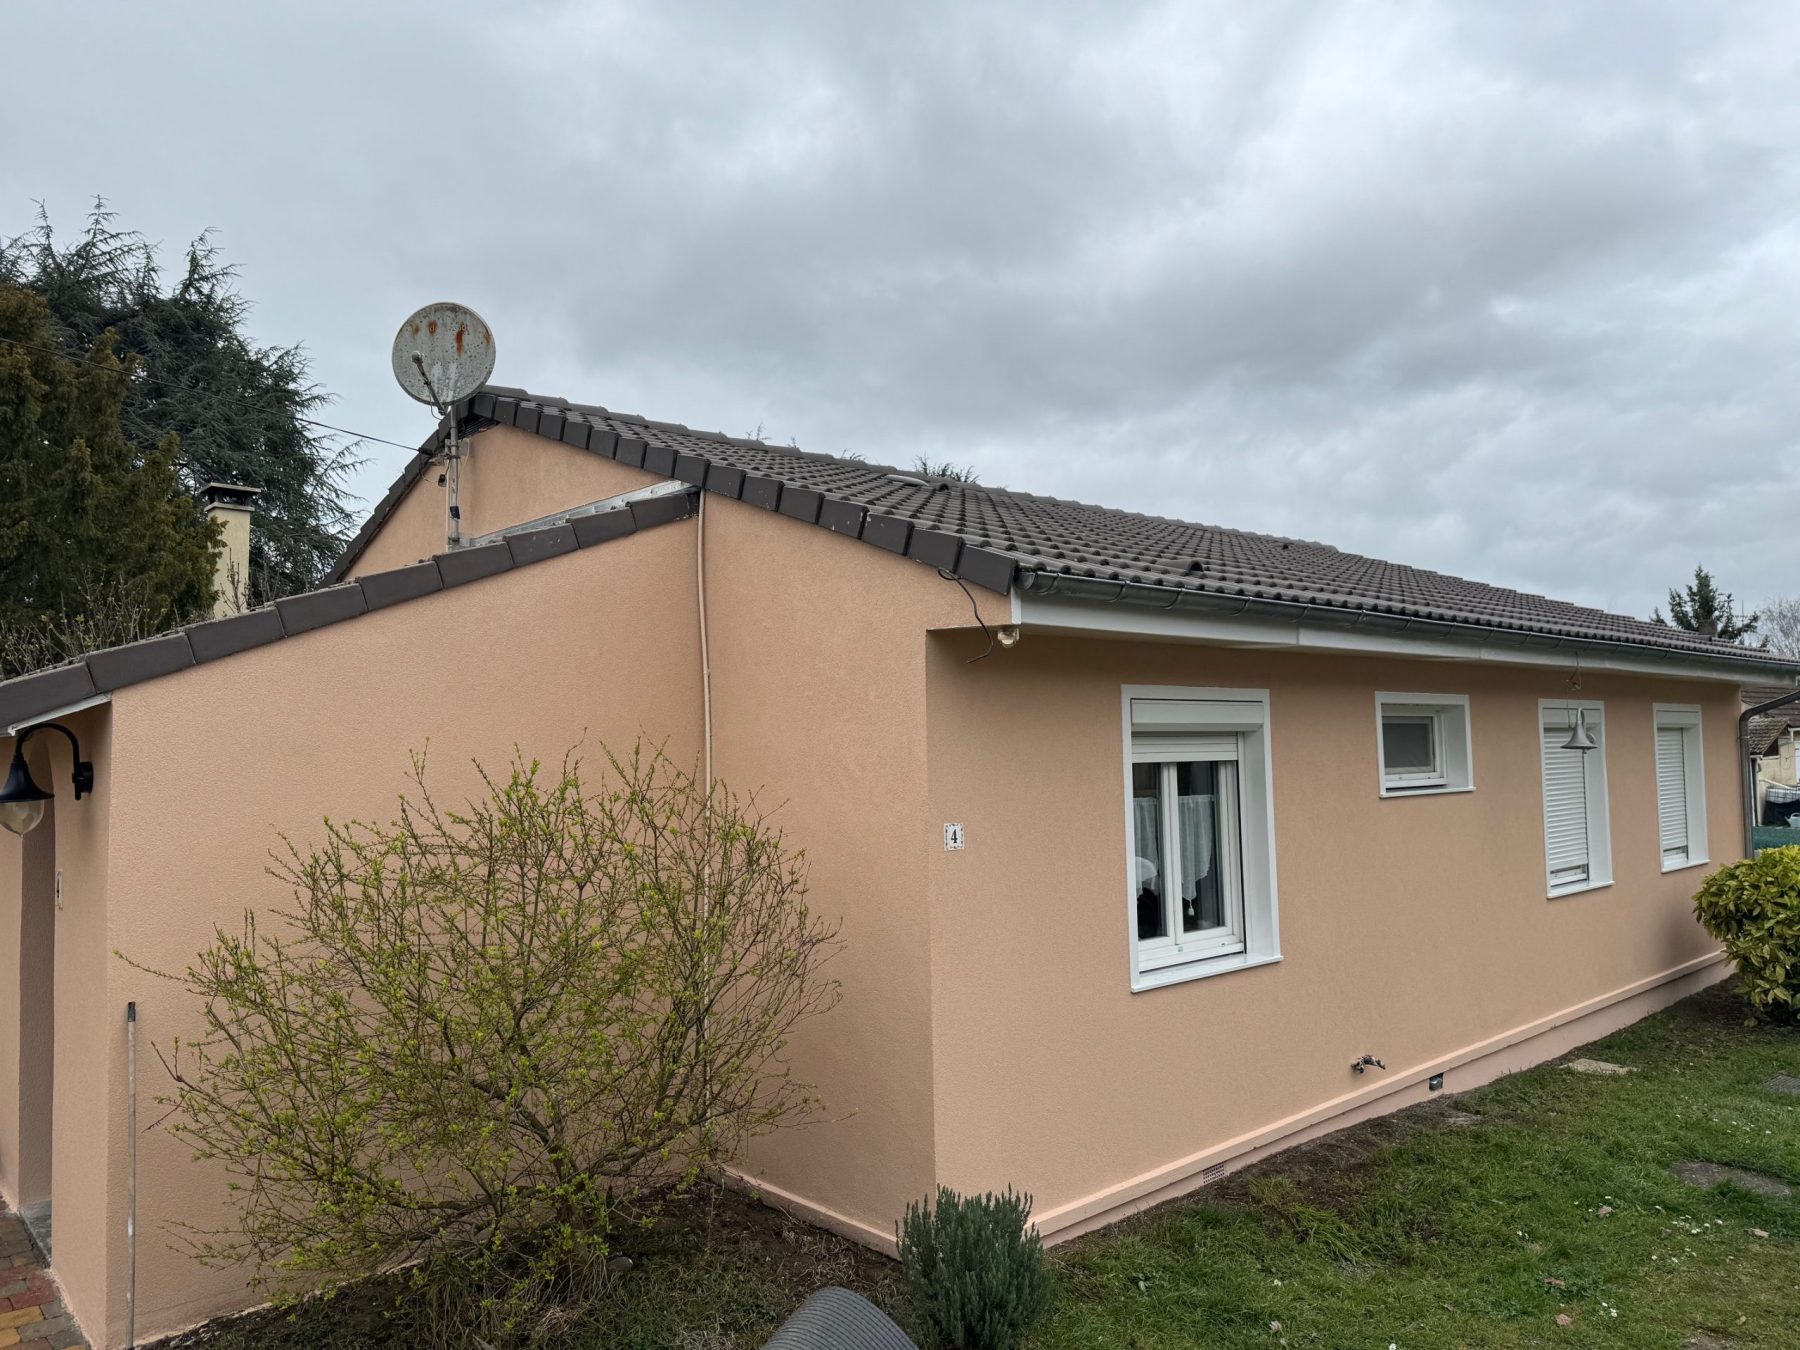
442, 354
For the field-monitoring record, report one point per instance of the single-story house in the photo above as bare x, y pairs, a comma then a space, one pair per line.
1156, 846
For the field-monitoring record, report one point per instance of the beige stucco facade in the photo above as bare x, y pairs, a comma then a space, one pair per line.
988, 1033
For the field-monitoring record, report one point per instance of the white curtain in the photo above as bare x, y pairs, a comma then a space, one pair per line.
1146, 821
1194, 817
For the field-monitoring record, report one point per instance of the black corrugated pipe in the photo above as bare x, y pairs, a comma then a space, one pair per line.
1747, 765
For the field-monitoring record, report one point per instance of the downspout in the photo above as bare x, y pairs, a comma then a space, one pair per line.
1747, 765
706, 743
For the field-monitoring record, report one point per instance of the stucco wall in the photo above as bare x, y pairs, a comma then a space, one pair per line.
86, 1094
1410, 927
27, 984
209, 763
508, 476
818, 664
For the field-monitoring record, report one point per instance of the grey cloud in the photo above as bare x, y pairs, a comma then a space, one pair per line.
1501, 290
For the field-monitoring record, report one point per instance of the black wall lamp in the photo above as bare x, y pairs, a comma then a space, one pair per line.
22, 800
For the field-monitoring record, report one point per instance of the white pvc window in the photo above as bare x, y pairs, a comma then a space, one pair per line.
1199, 831
1577, 833
1422, 741
1680, 786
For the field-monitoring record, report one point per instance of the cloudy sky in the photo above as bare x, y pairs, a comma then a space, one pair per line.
1512, 291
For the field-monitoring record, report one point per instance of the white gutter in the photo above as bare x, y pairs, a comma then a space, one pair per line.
1319, 628
80, 705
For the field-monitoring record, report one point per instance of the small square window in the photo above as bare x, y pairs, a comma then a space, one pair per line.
1423, 743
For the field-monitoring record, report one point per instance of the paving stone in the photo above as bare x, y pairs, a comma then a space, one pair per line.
48, 1328
1599, 1066
1784, 1082
1706, 1175
19, 1316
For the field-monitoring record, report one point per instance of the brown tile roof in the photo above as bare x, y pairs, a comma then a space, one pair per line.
1766, 729
994, 537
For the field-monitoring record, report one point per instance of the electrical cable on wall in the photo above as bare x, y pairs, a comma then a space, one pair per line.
948, 575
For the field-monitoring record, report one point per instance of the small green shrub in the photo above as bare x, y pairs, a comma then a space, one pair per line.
1753, 908
976, 1267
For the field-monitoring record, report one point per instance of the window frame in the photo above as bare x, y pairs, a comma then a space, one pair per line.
1594, 782
1452, 740
1172, 723
1687, 718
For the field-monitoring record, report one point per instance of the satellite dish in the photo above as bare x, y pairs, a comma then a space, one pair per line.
443, 353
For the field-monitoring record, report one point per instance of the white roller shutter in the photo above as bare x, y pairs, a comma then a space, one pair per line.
1565, 809
1672, 793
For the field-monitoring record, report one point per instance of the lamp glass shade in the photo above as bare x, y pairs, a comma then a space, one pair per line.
20, 817
21, 800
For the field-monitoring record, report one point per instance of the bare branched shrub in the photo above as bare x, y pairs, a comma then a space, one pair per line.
483, 1040
105, 614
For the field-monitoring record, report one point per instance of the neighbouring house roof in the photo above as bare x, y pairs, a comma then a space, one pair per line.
61, 687
1765, 730
1001, 539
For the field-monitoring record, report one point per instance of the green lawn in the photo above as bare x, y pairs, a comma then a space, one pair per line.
1411, 1231
1414, 1232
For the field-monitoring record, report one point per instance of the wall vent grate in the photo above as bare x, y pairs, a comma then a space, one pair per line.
1212, 1174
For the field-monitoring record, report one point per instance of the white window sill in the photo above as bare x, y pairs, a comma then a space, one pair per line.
1199, 970
1387, 792
1683, 866
1582, 889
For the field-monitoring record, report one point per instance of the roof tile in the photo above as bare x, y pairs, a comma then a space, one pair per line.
471, 564
314, 609
381, 589
117, 667
42, 692
239, 633
531, 546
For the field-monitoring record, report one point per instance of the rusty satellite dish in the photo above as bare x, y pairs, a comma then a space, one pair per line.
443, 353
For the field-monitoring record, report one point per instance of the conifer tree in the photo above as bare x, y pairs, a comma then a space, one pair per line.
83, 512
242, 412
1703, 608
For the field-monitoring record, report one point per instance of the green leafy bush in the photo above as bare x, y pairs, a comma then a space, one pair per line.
1753, 908
976, 1267
482, 1041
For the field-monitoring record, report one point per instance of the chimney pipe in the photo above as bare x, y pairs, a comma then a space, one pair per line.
231, 503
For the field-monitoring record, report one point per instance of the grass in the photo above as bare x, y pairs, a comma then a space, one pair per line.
1410, 1231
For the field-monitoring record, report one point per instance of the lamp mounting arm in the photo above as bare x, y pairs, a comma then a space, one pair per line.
84, 769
